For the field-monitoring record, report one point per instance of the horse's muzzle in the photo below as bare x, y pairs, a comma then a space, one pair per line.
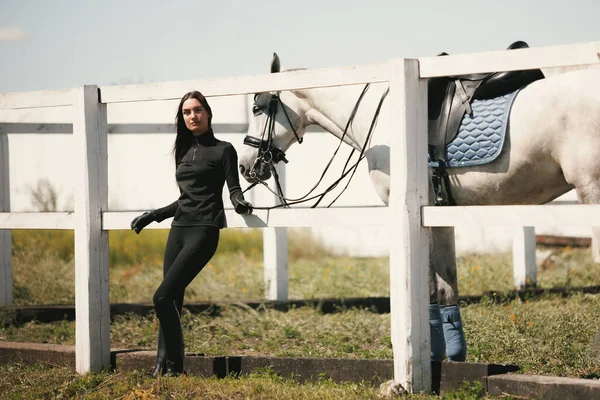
267, 152
258, 172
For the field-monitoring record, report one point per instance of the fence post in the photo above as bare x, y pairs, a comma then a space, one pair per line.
275, 254
524, 262
92, 306
595, 245
409, 251
6, 281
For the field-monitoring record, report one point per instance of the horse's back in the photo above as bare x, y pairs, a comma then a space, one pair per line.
554, 134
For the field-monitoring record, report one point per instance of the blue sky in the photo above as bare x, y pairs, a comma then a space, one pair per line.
65, 43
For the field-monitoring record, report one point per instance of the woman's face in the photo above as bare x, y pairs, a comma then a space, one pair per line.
195, 116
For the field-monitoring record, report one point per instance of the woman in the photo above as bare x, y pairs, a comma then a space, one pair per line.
203, 164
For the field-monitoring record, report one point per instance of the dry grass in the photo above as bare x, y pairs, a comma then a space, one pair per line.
45, 381
552, 335
236, 271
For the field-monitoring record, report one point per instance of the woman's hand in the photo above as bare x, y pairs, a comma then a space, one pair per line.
243, 207
142, 221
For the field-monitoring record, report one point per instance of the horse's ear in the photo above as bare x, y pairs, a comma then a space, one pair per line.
275, 64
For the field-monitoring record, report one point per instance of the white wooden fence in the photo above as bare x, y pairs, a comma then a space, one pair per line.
407, 213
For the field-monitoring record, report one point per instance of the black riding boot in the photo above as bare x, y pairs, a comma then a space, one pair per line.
161, 356
175, 355
170, 325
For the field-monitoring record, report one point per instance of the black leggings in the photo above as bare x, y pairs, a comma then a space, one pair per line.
188, 250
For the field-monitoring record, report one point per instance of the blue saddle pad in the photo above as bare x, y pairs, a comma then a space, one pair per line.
481, 135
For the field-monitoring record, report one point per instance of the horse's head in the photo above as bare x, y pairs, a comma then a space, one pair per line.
278, 122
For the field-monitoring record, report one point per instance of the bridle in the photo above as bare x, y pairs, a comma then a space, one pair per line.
267, 152
270, 155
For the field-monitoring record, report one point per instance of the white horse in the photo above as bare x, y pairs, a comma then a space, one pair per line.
552, 147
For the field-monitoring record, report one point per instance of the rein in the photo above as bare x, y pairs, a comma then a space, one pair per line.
270, 155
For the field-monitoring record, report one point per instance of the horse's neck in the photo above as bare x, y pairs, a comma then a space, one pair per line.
331, 108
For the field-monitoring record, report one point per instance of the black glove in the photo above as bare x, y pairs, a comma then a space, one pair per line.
243, 207
142, 221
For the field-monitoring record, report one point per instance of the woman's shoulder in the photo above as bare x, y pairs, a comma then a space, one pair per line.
224, 144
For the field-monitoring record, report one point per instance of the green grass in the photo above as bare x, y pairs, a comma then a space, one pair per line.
44, 381
550, 335
563, 267
236, 271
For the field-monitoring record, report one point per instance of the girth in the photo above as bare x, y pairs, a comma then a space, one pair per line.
449, 98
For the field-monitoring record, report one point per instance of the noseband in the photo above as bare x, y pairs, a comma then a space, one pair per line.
267, 153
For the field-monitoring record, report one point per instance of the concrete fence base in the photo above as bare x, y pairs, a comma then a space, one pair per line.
446, 376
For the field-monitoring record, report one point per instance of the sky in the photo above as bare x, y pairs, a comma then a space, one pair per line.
60, 44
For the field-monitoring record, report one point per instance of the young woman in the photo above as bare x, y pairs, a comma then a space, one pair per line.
203, 165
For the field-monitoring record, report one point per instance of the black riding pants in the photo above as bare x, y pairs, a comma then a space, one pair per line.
188, 250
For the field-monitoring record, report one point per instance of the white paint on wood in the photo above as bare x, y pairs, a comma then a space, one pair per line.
42, 98
46, 115
36, 220
6, 281
518, 59
275, 252
275, 256
546, 215
92, 307
409, 287
276, 218
524, 262
300, 79
596, 244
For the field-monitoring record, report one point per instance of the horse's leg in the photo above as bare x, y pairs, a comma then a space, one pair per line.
444, 290
447, 335
590, 194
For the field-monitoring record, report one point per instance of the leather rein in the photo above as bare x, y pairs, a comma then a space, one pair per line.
270, 155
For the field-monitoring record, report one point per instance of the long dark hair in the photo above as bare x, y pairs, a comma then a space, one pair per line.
185, 138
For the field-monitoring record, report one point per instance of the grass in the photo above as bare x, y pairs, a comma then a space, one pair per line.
550, 335
236, 271
561, 267
44, 381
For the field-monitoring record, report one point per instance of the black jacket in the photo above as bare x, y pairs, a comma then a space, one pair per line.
201, 175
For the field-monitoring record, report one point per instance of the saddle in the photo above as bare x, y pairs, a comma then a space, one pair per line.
450, 98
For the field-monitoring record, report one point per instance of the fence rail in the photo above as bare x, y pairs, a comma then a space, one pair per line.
407, 213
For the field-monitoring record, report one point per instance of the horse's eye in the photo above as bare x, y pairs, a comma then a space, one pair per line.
256, 110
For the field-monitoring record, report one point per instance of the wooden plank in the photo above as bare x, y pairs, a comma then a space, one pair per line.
275, 252
92, 307
541, 57
277, 218
47, 115
563, 241
409, 253
34, 128
546, 215
319, 217
524, 262
6, 281
42, 98
299, 79
113, 129
36, 220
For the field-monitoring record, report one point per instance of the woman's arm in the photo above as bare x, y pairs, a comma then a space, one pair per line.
230, 161
163, 213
